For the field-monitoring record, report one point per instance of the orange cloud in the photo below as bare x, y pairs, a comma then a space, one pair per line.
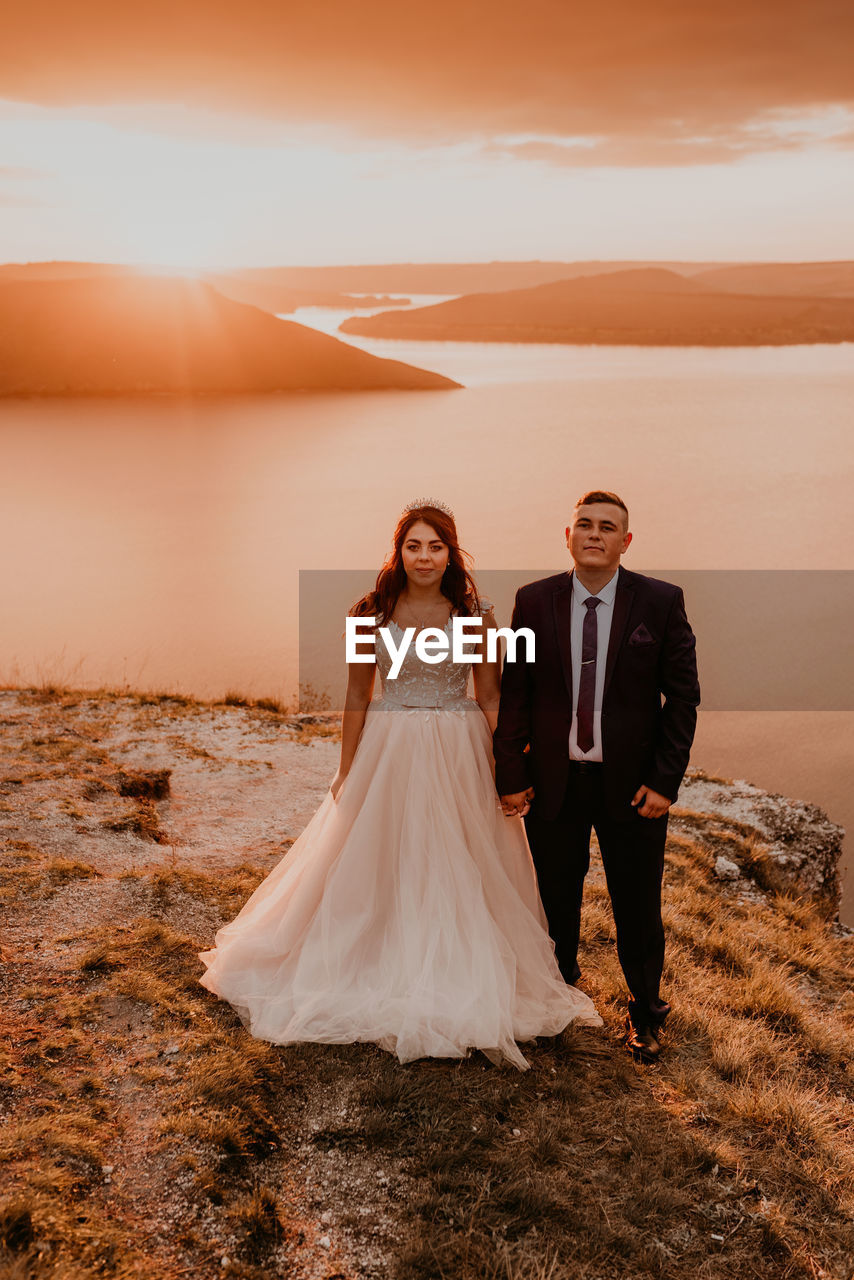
721, 146
660, 82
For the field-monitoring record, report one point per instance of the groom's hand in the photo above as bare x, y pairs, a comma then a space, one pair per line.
651, 803
517, 804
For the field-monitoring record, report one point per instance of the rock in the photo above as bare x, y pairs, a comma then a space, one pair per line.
325, 1242
788, 846
727, 870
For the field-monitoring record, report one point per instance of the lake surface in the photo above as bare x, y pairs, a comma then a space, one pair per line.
156, 543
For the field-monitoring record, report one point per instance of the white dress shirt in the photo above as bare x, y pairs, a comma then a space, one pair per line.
604, 615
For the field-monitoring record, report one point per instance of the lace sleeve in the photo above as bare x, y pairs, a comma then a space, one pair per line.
486, 606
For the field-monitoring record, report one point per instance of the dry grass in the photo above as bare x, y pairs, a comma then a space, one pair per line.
27, 875
69, 696
310, 730
228, 890
312, 699
71, 1082
730, 1159
71, 1136
234, 699
271, 704
257, 1217
63, 870
141, 820
150, 784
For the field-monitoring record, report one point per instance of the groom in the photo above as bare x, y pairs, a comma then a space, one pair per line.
584, 741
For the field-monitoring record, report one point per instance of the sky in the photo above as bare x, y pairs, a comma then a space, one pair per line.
200, 133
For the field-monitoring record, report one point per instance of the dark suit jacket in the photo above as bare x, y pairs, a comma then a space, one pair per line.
651, 656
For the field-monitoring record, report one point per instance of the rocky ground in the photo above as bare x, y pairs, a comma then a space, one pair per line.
144, 1134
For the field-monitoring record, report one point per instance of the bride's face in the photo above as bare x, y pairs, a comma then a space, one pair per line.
425, 555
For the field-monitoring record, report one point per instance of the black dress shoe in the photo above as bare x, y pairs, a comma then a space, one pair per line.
641, 1042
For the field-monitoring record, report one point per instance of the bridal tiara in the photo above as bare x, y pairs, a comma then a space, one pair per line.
428, 502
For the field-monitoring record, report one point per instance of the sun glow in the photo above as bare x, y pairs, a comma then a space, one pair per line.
170, 270
218, 192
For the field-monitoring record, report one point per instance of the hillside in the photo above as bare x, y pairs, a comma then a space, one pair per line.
256, 291
144, 1134
816, 279
440, 277
134, 334
280, 299
647, 306
59, 270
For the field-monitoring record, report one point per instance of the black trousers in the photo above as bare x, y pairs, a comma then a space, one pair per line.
633, 858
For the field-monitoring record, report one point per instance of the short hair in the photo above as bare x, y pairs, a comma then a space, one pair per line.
602, 495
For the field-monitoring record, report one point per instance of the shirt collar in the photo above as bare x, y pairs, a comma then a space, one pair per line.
606, 595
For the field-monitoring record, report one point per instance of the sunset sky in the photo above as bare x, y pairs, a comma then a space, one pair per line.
204, 133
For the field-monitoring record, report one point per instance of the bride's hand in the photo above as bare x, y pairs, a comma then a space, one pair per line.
337, 784
518, 804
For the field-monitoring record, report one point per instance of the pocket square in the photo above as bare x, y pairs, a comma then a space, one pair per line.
640, 635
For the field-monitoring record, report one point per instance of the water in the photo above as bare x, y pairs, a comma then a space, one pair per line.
157, 543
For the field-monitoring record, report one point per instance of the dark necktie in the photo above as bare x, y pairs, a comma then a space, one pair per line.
587, 680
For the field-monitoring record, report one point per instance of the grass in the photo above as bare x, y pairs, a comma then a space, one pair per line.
62, 870
730, 1159
229, 890
310, 731
68, 1135
26, 875
71, 695
69, 1086
151, 784
257, 1217
141, 820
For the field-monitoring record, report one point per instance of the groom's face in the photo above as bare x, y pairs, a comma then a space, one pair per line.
598, 536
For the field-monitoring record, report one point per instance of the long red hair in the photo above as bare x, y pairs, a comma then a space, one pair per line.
457, 582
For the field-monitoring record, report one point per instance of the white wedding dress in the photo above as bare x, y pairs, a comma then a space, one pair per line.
407, 912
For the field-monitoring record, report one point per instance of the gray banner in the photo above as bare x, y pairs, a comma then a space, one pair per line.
767, 640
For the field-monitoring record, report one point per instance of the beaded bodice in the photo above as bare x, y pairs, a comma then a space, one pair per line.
419, 683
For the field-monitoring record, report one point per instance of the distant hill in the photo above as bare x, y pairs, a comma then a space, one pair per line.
280, 299
257, 292
818, 279
441, 277
648, 307
65, 270
131, 334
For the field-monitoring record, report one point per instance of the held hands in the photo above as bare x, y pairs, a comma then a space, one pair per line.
517, 804
652, 805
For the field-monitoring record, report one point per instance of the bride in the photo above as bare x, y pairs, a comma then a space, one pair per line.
407, 912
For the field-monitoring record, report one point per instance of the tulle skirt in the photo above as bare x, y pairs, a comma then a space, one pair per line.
406, 913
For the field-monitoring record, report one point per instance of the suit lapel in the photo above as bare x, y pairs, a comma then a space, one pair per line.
623, 601
561, 603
